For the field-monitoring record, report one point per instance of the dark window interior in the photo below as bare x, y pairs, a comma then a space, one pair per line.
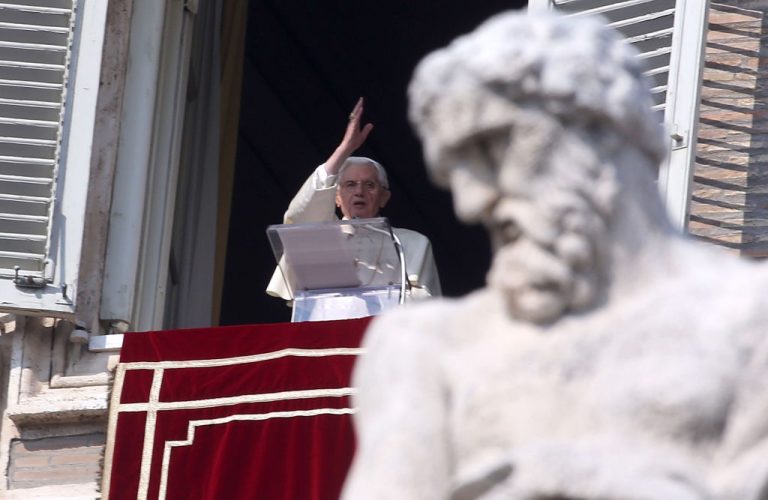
306, 63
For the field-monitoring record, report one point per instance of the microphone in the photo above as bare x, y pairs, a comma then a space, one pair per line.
404, 283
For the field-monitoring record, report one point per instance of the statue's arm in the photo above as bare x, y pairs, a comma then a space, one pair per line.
401, 420
741, 464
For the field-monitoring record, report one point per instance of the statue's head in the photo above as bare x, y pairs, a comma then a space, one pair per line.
527, 120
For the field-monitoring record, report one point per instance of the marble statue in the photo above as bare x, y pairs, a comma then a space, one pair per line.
608, 357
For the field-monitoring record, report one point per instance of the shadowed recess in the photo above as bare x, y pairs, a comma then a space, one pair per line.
306, 64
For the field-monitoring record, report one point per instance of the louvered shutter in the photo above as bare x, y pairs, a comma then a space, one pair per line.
50, 53
669, 34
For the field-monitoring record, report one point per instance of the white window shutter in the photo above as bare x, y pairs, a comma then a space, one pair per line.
50, 54
670, 35
683, 103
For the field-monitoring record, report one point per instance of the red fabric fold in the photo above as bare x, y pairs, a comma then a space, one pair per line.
254, 411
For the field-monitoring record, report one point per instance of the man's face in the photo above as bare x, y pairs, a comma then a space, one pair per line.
360, 194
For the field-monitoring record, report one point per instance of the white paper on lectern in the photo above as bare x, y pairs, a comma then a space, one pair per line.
343, 304
319, 257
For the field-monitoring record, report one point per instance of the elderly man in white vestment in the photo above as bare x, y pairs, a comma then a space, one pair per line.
608, 357
359, 188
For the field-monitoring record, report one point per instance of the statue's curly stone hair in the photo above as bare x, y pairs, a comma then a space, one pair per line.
576, 69
553, 106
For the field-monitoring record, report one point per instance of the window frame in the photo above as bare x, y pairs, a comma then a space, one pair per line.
71, 176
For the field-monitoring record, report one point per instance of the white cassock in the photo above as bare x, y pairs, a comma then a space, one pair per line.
316, 202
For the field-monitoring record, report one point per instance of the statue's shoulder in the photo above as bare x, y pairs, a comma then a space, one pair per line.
711, 270
417, 339
438, 320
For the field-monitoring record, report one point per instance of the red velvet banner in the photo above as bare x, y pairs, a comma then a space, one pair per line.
258, 411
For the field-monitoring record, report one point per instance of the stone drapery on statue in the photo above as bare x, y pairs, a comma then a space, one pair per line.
608, 357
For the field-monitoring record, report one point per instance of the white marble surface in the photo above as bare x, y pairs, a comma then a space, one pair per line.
607, 358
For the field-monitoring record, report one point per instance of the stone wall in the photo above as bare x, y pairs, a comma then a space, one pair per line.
53, 427
55, 460
729, 204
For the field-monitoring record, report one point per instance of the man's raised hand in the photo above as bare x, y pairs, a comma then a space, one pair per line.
354, 137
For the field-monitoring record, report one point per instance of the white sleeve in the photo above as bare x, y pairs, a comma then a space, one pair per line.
322, 180
315, 200
420, 264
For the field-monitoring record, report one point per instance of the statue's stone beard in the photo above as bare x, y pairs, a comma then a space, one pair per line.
542, 281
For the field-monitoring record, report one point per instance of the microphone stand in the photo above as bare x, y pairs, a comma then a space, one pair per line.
404, 284
403, 274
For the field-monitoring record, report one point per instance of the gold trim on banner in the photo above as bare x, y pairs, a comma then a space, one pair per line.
149, 435
235, 400
253, 358
153, 405
109, 451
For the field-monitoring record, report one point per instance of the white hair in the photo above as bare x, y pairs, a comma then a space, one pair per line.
363, 160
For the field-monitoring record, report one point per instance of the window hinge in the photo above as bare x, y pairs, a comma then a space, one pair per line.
679, 138
64, 299
27, 281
